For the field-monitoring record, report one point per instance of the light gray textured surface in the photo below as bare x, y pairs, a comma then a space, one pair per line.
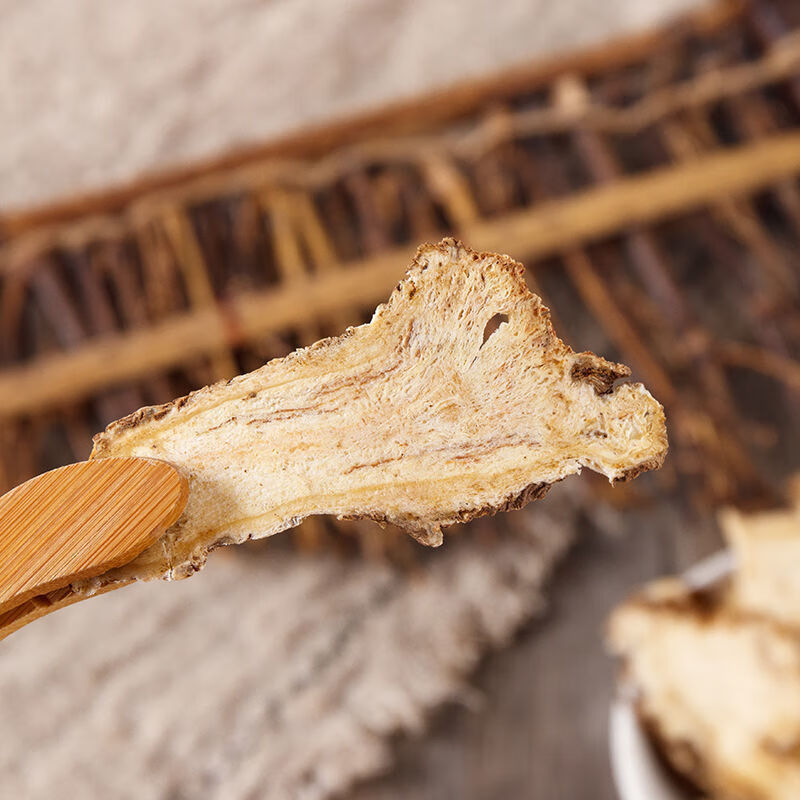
93, 92
267, 675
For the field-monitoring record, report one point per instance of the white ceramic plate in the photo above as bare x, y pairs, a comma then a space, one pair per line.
638, 774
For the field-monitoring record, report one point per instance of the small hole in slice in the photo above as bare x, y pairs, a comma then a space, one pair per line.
492, 325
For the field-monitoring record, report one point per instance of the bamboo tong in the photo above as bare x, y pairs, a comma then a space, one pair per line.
77, 522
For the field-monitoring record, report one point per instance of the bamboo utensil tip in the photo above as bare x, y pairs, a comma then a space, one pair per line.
81, 520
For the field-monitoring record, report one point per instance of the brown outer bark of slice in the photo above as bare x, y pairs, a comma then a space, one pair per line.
416, 419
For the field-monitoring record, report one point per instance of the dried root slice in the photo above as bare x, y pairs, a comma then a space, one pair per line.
719, 689
766, 546
423, 418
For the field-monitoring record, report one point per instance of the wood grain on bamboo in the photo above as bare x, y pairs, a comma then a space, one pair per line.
80, 520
